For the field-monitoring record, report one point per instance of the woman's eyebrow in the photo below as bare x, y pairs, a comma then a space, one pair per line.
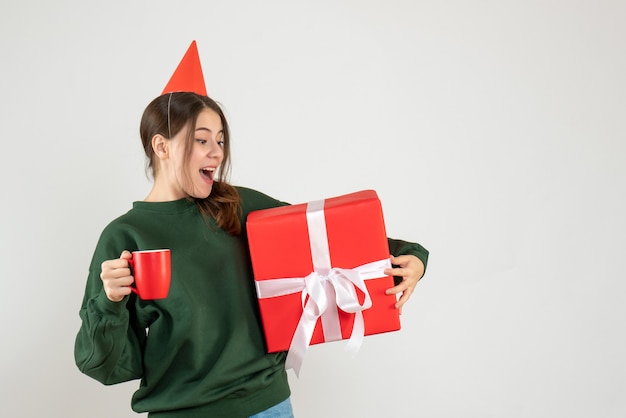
208, 130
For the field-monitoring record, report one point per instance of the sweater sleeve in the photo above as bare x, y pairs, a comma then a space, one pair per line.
398, 247
252, 200
107, 346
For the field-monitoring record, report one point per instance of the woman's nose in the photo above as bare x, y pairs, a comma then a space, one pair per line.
215, 150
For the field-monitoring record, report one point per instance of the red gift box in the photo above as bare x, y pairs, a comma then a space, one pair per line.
322, 260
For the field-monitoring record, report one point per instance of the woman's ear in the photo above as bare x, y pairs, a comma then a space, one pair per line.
160, 146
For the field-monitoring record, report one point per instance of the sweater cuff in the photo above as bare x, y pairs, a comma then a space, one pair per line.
417, 250
108, 308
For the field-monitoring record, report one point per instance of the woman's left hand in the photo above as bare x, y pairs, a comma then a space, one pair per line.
411, 269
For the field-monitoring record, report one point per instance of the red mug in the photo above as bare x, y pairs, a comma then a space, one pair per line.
152, 271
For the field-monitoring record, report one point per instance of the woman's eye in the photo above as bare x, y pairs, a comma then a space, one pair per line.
201, 141
220, 143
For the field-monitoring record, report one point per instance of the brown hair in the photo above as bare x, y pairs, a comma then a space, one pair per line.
167, 115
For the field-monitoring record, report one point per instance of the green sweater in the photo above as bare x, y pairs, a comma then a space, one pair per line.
200, 351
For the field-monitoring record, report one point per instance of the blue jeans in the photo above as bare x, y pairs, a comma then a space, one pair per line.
281, 410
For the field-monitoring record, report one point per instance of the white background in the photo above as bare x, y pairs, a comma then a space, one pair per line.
493, 132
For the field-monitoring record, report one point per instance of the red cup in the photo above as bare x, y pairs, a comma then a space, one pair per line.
152, 271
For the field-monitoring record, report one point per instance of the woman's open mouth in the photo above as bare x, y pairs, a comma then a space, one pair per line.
207, 173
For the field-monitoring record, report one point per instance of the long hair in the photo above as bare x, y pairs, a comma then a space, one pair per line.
167, 115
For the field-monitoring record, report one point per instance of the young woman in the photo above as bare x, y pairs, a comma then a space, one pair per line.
199, 352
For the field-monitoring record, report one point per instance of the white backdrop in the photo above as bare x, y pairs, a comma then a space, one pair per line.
493, 131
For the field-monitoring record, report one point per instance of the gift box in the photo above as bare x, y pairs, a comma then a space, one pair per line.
318, 269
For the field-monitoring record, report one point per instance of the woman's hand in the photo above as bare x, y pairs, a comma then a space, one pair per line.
411, 269
116, 277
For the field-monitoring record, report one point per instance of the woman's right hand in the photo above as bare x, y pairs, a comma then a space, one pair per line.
116, 277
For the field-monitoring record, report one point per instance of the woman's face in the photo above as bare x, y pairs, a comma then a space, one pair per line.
195, 178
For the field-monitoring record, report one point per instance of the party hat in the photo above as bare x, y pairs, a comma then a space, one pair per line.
188, 75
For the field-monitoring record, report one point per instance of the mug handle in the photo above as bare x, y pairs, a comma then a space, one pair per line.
130, 265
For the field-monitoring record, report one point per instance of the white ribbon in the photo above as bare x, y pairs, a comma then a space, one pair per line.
328, 290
